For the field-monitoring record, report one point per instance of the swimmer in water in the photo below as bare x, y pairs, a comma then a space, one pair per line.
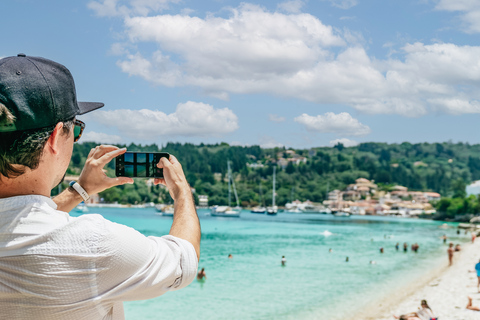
201, 275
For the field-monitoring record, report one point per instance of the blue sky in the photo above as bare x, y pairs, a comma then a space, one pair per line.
272, 73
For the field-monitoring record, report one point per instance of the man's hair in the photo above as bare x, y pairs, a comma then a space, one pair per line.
22, 149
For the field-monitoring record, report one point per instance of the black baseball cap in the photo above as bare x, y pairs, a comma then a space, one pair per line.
39, 93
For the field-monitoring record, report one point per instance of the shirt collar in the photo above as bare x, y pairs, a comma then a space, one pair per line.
25, 200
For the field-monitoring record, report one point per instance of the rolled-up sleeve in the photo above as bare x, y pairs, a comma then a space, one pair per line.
188, 259
131, 266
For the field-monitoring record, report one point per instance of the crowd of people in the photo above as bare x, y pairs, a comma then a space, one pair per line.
425, 312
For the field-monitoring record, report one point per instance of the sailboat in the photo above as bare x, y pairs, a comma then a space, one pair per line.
273, 209
228, 211
259, 208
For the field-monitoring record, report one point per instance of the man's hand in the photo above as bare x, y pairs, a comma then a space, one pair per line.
174, 178
93, 178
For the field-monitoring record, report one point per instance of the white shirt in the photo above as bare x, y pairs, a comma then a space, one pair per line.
54, 266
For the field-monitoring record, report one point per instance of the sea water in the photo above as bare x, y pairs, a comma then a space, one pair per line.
315, 283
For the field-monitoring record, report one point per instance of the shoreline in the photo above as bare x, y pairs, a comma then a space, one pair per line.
445, 288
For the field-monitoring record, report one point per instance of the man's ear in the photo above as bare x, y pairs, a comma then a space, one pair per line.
53, 143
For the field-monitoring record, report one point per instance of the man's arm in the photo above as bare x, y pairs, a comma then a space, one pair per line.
93, 178
185, 220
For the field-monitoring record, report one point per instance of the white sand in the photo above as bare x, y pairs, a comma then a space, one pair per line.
445, 289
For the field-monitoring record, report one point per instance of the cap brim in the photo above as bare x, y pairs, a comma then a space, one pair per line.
86, 107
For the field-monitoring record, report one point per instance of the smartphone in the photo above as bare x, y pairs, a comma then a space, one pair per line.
139, 164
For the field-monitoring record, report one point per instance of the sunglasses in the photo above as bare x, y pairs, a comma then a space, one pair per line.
78, 128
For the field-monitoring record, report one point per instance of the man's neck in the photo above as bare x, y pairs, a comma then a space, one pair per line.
32, 182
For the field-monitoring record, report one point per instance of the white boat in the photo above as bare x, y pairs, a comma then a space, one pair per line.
228, 211
225, 211
315, 209
168, 211
82, 207
341, 214
258, 210
273, 209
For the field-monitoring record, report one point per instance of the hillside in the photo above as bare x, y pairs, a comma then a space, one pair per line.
303, 173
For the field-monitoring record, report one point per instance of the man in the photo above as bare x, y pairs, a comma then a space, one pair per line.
450, 252
53, 266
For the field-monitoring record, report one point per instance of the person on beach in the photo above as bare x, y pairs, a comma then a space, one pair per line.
55, 266
202, 275
284, 261
381, 249
424, 313
477, 269
457, 248
444, 237
405, 247
470, 306
450, 252
397, 246
230, 256
474, 236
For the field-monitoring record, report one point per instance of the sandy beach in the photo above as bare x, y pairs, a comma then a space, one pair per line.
446, 290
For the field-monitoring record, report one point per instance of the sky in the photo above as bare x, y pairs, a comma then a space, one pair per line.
295, 73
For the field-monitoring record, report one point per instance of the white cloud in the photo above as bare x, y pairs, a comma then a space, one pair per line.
238, 144
469, 12
100, 137
341, 124
346, 142
275, 118
343, 4
110, 8
268, 142
293, 6
189, 119
456, 106
297, 56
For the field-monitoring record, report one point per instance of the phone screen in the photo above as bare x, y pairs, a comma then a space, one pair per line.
139, 164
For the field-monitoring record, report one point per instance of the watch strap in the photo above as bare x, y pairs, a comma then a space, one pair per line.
75, 185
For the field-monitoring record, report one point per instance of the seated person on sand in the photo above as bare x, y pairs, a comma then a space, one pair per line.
470, 307
457, 248
424, 313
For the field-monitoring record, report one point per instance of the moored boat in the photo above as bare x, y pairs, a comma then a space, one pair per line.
228, 211
258, 210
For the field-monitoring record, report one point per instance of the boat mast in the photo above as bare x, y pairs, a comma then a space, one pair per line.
235, 190
229, 188
273, 197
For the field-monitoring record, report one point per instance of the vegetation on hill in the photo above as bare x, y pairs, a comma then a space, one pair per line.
439, 167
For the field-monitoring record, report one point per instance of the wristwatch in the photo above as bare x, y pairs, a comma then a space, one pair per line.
75, 185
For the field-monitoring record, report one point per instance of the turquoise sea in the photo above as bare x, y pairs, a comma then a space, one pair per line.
314, 284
